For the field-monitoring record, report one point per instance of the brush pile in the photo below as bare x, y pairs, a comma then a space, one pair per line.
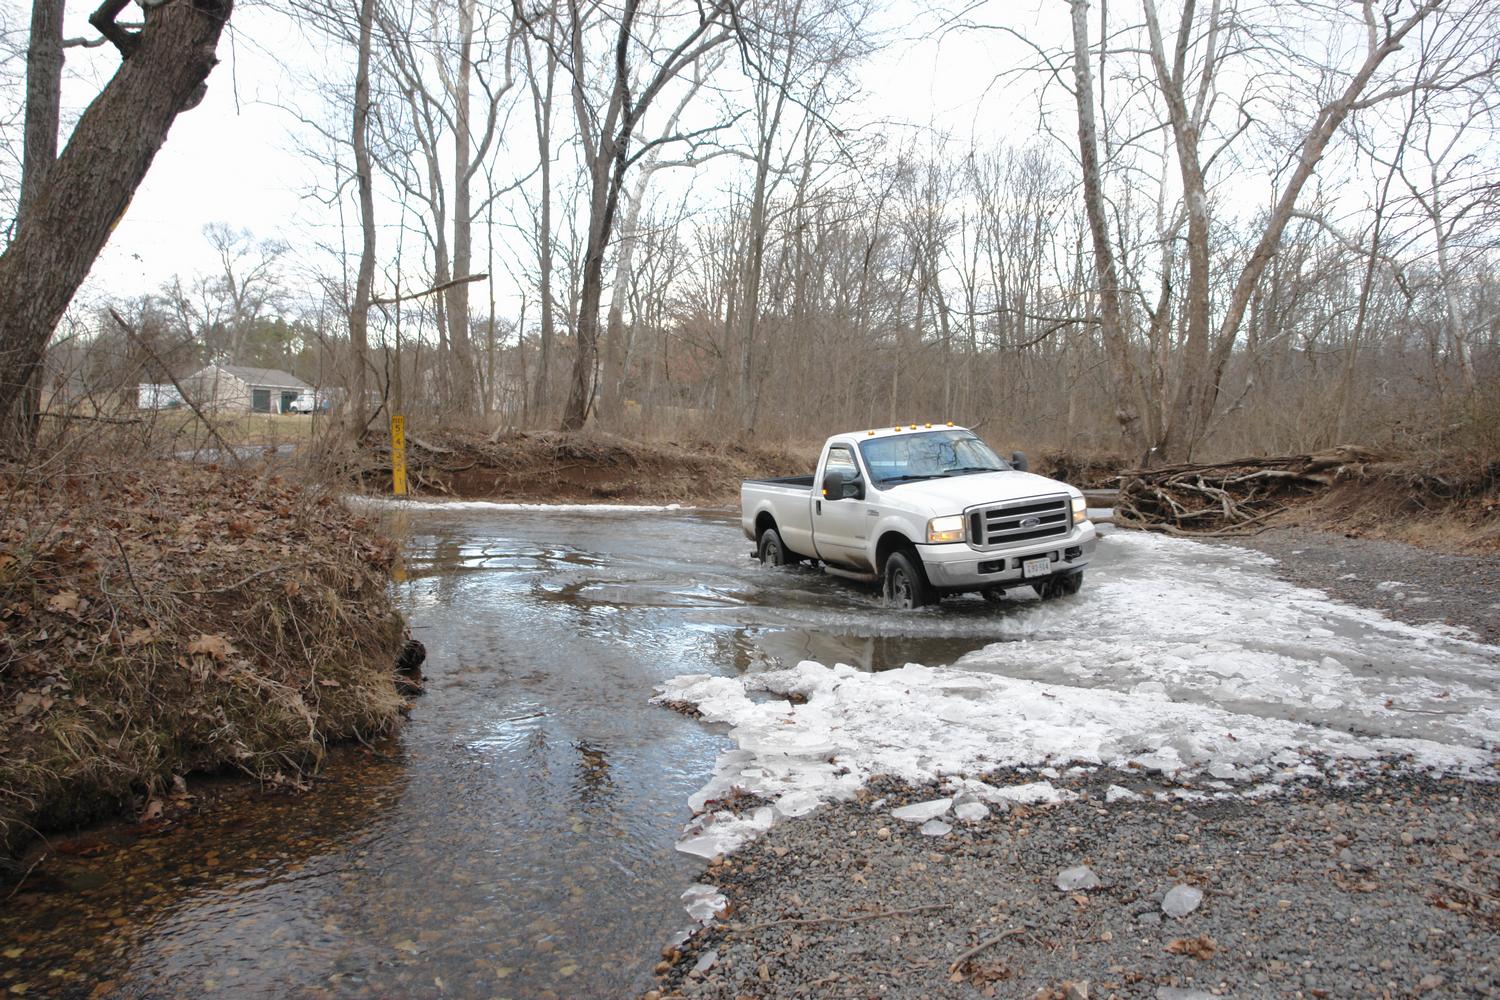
1230, 497
189, 619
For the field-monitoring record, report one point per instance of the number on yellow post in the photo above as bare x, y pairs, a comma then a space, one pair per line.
398, 454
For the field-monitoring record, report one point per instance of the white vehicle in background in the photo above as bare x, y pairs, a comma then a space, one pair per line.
927, 511
311, 402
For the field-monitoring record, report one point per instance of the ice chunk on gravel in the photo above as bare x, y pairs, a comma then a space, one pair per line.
971, 812
1079, 877
1181, 900
1119, 793
703, 902
921, 812
936, 828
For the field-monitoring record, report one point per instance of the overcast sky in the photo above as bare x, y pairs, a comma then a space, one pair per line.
233, 159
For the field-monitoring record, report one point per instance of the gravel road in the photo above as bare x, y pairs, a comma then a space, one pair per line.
1385, 890
1390, 890
1410, 584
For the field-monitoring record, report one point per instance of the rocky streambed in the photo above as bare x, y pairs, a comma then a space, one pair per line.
1390, 889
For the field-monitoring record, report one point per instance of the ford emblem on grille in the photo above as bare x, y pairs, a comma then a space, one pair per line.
1031, 522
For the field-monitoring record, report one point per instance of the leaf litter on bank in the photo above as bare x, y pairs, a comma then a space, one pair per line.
182, 619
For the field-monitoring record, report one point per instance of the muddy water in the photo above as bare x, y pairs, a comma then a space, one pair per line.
515, 840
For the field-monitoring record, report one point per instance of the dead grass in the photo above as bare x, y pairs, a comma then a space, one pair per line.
187, 620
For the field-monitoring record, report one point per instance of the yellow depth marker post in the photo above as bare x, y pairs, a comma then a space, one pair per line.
398, 454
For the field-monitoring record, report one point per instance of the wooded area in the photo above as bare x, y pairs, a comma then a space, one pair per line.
1200, 230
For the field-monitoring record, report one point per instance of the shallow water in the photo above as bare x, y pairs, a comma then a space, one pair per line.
516, 839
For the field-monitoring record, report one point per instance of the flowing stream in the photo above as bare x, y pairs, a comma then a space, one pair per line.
516, 838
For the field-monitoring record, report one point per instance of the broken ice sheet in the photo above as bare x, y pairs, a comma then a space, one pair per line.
703, 902
921, 812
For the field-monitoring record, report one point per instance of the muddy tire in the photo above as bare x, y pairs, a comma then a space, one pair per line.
772, 551
905, 584
1061, 585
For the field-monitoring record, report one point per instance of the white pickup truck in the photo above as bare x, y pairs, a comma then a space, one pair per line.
927, 511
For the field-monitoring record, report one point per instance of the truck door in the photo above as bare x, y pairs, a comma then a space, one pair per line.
841, 527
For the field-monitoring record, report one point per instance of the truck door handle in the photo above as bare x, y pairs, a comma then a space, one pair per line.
818, 506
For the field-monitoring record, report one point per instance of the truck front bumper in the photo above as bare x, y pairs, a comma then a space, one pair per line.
958, 567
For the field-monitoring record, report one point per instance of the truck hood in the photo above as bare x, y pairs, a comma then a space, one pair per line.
955, 494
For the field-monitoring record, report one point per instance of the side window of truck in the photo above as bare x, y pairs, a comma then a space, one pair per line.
841, 459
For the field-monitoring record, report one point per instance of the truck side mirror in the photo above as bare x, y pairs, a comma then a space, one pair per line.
1018, 461
839, 484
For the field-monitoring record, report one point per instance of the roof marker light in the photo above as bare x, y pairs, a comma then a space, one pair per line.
869, 433
950, 423
928, 426
913, 426
897, 429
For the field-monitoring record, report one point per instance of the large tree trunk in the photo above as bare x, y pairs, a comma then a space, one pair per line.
1129, 403
91, 184
44, 65
357, 406
463, 220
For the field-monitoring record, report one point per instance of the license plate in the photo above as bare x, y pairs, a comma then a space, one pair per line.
1036, 567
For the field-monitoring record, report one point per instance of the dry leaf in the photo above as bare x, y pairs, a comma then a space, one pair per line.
329, 682
31, 702
211, 645
139, 637
152, 811
1199, 947
65, 601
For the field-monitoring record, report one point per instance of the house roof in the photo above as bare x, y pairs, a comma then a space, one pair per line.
274, 377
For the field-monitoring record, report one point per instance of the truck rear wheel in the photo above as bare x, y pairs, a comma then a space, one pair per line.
906, 586
772, 551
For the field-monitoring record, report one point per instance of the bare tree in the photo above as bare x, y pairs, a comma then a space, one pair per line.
606, 135
162, 72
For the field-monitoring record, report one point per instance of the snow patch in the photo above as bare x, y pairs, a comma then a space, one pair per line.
922, 725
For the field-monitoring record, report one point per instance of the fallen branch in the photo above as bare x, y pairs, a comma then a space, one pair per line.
981, 946
1475, 891
852, 919
435, 449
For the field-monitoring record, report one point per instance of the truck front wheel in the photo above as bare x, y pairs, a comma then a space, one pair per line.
1060, 585
772, 551
906, 585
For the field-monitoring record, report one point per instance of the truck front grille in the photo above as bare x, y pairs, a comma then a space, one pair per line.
1018, 521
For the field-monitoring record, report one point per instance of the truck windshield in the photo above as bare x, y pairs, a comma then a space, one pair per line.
909, 457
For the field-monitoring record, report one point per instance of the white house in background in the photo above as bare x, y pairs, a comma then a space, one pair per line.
150, 396
251, 390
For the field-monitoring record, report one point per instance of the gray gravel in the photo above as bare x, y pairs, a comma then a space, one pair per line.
1410, 584
1389, 890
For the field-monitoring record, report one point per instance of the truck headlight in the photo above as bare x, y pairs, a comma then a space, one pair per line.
945, 529
1080, 509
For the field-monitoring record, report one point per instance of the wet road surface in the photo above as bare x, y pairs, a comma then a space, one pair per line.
516, 838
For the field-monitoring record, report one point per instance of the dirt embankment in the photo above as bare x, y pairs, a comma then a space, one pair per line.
188, 620
1446, 504
549, 467
1449, 503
